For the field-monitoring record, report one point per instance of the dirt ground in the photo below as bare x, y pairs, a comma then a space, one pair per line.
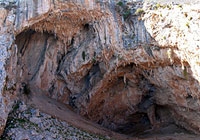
65, 113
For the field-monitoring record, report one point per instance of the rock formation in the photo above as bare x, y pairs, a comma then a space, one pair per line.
128, 66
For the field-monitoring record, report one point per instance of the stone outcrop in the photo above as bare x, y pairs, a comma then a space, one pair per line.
128, 66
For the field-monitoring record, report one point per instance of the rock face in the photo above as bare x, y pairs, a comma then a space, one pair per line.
128, 66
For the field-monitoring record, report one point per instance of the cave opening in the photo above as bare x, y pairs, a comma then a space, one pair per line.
125, 103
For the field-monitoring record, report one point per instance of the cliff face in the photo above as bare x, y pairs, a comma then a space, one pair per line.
128, 66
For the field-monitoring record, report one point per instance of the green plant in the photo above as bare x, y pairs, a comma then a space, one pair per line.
139, 11
180, 6
169, 7
126, 14
123, 9
120, 3
187, 24
158, 5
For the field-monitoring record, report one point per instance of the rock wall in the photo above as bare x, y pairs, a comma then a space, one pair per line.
128, 66
6, 48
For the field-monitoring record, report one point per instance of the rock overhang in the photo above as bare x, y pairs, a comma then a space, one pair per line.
161, 69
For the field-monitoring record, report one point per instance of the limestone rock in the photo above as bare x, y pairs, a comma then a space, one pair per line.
104, 59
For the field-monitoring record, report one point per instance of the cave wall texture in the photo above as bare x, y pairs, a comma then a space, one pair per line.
110, 60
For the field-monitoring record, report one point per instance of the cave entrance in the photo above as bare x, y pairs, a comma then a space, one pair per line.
123, 105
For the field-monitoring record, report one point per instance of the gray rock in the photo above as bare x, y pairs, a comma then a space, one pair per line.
35, 120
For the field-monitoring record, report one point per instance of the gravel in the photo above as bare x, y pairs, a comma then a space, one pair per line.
27, 123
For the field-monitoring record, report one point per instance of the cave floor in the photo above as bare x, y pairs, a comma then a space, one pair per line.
65, 113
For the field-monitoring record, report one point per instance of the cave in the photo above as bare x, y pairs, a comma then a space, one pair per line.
124, 103
108, 65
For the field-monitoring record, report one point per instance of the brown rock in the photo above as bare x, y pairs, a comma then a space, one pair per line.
86, 55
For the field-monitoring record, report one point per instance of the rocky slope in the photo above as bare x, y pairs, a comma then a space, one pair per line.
26, 122
128, 66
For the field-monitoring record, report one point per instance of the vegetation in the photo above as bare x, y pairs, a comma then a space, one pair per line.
123, 9
180, 6
169, 7
139, 11
120, 3
158, 6
187, 25
190, 18
126, 14
126, 11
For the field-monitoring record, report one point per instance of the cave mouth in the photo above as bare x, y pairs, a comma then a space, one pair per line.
139, 124
122, 106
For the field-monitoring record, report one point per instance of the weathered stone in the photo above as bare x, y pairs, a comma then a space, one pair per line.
108, 62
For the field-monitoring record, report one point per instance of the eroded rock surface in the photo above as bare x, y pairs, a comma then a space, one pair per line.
128, 66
